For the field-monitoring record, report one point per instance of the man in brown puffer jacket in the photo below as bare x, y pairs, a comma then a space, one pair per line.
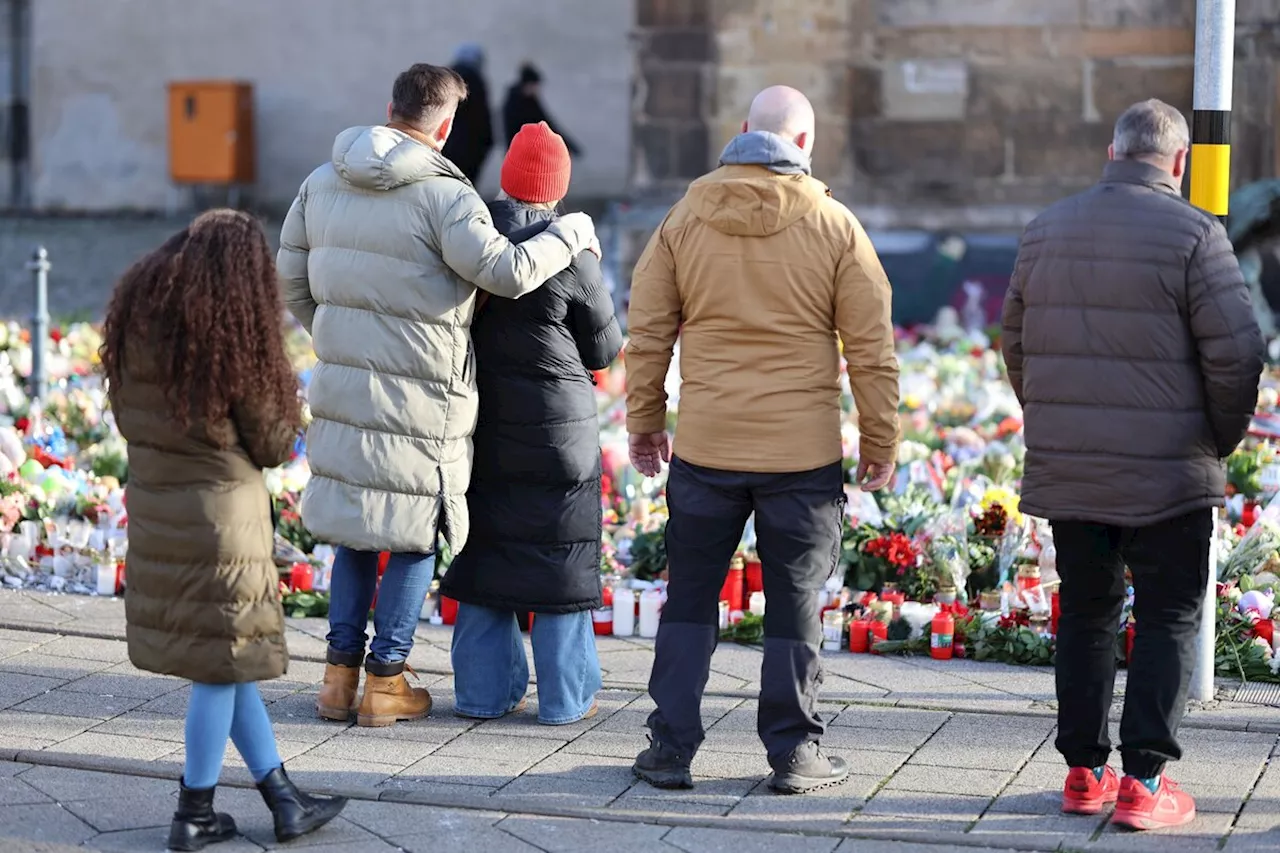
1133, 348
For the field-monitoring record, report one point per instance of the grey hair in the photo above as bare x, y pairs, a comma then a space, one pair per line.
1151, 128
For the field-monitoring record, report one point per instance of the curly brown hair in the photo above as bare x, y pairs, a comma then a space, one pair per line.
207, 307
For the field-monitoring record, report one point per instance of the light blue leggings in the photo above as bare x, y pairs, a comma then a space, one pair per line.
219, 711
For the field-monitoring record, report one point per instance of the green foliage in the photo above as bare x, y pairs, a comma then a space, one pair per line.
1006, 643
302, 604
649, 554
918, 646
111, 463
748, 632
1244, 470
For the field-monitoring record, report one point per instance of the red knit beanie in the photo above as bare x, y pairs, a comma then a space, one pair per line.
537, 166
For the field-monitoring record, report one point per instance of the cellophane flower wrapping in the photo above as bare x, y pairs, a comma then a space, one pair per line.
947, 547
1257, 548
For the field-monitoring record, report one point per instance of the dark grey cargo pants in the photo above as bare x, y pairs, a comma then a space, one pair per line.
797, 522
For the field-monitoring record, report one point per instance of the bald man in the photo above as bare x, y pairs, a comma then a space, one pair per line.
765, 275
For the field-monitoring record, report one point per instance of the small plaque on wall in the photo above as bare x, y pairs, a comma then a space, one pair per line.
925, 89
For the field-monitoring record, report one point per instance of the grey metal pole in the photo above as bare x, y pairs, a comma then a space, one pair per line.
39, 266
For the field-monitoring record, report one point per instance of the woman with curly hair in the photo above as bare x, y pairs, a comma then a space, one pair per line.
204, 393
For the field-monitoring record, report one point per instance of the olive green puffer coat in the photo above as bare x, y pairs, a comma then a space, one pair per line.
202, 600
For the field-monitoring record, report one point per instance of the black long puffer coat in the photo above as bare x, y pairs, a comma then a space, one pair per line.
534, 498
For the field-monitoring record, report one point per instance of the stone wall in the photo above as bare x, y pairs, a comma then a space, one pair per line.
942, 112
100, 70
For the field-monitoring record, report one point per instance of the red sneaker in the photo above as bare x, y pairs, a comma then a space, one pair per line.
1084, 793
1138, 808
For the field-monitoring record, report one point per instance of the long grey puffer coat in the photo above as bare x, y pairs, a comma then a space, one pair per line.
1131, 342
380, 257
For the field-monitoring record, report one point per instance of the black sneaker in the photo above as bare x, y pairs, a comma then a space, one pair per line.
663, 766
809, 769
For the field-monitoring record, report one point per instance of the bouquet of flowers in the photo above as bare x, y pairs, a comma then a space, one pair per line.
947, 549
895, 558
290, 524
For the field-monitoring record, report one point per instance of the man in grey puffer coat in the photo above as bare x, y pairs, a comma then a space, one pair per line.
381, 256
1132, 345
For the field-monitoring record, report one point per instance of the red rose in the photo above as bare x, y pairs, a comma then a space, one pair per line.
23, 424
55, 334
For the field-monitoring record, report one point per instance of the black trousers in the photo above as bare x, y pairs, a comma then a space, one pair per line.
1170, 566
797, 522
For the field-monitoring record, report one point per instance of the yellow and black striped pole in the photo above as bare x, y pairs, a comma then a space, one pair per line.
1211, 105
1210, 189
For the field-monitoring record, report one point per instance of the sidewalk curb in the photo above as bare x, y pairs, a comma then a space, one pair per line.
533, 808
1271, 726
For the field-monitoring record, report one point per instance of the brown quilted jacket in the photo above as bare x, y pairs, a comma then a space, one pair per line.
1132, 345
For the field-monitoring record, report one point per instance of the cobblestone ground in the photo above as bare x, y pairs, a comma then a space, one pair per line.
946, 756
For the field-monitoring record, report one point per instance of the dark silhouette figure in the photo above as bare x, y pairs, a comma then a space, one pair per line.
471, 140
523, 106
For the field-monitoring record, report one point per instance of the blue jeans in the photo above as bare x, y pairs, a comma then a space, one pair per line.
491, 674
219, 711
404, 587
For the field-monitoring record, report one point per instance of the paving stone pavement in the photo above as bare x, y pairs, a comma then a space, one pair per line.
955, 754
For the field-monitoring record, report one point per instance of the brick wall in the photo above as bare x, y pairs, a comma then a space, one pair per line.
938, 111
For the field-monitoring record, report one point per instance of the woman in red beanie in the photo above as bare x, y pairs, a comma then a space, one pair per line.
534, 498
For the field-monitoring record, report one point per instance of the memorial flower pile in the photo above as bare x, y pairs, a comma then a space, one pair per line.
945, 548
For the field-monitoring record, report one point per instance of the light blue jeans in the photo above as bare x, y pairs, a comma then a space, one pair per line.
491, 673
400, 596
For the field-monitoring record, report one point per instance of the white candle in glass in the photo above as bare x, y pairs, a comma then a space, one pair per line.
650, 612
105, 576
624, 612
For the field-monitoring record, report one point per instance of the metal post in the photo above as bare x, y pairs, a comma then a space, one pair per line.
1211, 105
1202, 677
39, 265
1210, 189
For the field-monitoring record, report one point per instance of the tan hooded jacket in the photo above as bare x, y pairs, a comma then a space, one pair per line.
760, 270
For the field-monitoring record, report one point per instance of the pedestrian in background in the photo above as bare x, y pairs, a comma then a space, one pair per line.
204, 393
469, 144
1133, 348
524, 106
535, 495
380, 258
762, 274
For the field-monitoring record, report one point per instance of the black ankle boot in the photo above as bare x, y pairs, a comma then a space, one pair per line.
295, 813
196, 824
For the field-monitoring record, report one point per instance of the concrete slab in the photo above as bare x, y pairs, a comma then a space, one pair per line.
692, 840
15, 792
318, 773
926, 805
452, 770
116, 746
486, 840
71, 704
43, 726
394, 819
66, 784
948, 780
16, 688
47, 822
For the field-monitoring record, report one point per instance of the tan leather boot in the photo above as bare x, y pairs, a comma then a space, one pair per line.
337, 697
388, 698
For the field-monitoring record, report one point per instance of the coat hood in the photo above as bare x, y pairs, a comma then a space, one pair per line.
383, 158
761, 187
